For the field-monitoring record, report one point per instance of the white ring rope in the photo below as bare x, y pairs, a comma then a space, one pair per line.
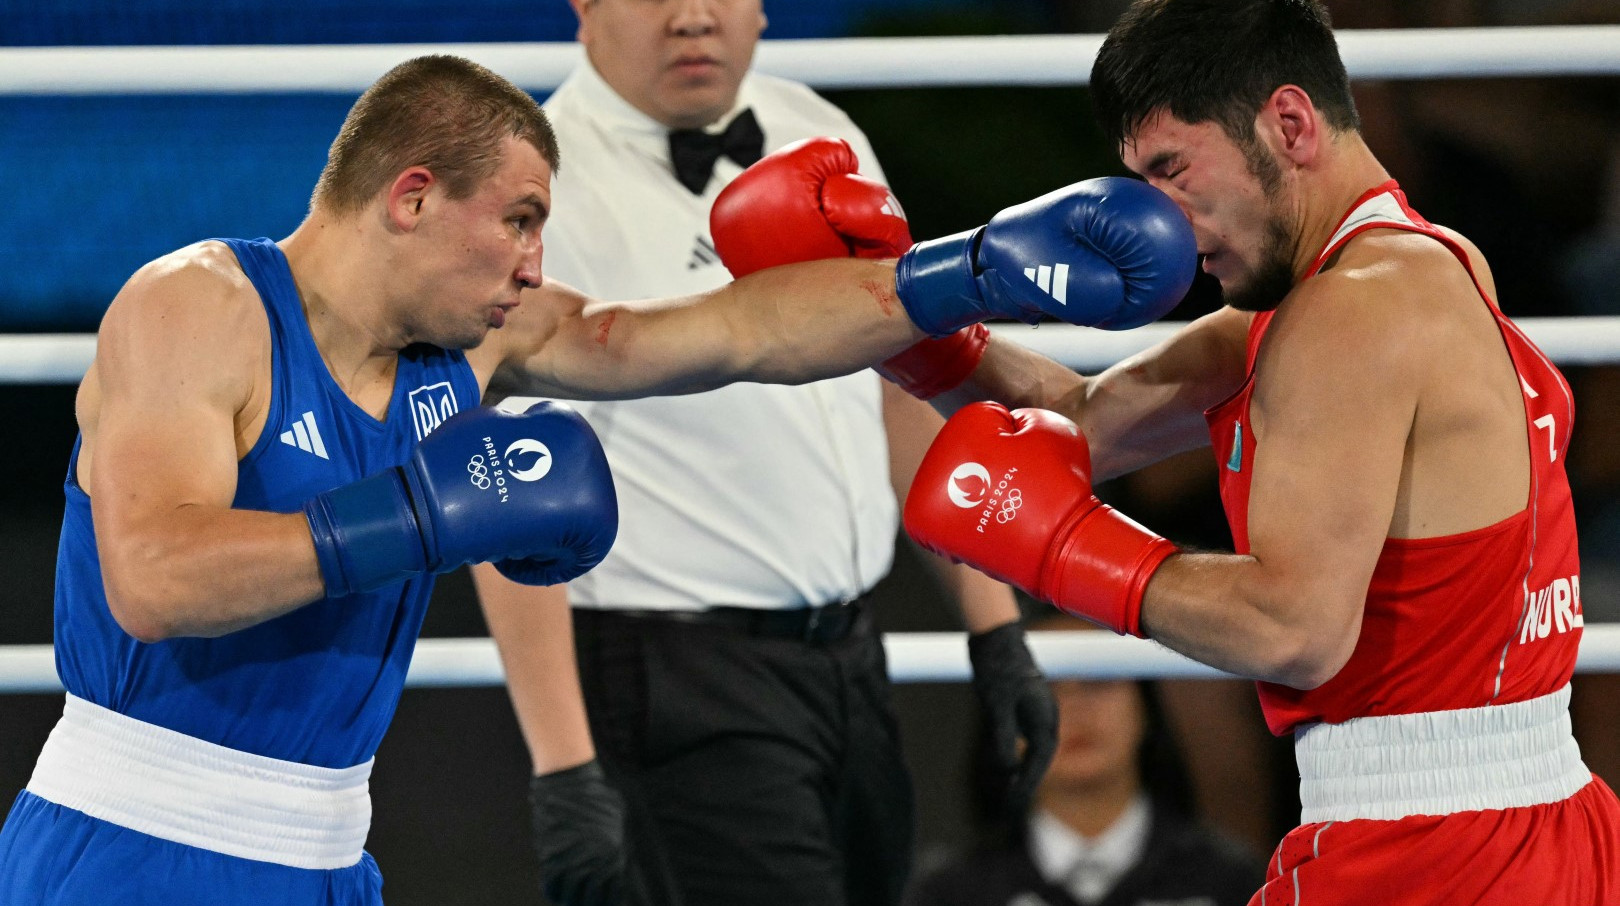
914, 657
63, 358
1567, 341
45, 358
1415, 53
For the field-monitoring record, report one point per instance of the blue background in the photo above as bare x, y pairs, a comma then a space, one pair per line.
98, 185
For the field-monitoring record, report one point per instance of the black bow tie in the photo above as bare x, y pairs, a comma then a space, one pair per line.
693, 151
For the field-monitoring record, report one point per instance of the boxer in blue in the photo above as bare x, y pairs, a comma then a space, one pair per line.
281, 445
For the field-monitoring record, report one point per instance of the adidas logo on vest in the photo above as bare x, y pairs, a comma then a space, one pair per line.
305, 436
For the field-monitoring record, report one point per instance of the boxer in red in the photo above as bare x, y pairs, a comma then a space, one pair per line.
1406, 585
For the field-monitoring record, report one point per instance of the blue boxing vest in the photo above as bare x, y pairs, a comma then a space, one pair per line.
318, 685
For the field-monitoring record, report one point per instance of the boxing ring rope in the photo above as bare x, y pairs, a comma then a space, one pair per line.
1418, 53
914, 657
841, 63
62, 358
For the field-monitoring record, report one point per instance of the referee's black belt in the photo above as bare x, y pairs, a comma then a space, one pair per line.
813, 625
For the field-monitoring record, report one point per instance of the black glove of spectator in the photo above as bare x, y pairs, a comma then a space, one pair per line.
1017, 702
579, 836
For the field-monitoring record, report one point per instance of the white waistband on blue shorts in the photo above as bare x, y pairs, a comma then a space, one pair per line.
177, 787
1439, 762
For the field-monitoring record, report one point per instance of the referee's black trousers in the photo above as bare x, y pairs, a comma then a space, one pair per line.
757, 769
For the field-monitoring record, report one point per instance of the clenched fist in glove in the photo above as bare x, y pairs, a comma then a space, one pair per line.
806, 202
1111, 252
1009, 493
528, 491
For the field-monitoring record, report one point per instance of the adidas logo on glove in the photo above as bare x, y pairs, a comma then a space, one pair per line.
1053, 280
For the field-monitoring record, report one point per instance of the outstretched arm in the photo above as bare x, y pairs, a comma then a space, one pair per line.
1109, 252
1139, 411
785, 325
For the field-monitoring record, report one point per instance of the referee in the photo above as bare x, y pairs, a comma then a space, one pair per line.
735, 741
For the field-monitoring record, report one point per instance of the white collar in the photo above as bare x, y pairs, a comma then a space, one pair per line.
1089, 867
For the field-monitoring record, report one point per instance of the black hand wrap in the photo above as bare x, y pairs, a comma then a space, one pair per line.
579, 836
1017, 703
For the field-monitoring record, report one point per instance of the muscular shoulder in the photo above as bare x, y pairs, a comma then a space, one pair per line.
193, 305
203, 282
1388, 290
1410, 257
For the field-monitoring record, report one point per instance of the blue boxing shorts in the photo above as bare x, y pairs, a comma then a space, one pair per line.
122, 811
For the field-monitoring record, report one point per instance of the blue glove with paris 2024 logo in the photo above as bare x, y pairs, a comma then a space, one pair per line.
530, 491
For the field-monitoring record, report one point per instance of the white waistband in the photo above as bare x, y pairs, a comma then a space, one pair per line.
177, 787
1439, 762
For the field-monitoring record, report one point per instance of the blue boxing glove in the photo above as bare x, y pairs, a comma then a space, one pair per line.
1111, 252
530, 491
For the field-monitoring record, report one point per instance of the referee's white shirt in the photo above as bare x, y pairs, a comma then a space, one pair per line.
754, 495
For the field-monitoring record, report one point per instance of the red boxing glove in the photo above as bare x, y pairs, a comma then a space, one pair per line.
1009, 493
935, 365
805, 202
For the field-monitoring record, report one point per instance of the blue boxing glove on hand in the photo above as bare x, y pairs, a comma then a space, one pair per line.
530, 491
1111, 252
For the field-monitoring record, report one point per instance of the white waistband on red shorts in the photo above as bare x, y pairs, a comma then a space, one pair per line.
1439, 762
177, 787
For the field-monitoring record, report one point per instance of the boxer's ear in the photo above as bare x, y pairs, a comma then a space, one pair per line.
1290, 125
406, 196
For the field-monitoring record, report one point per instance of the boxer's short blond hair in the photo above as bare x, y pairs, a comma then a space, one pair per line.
442, 112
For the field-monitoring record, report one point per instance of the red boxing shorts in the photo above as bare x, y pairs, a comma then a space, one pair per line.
1565, 853
1487, 806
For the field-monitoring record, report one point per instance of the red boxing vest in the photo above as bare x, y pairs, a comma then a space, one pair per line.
1484, 617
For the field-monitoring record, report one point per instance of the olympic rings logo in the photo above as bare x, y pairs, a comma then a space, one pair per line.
478, 472
1009, 506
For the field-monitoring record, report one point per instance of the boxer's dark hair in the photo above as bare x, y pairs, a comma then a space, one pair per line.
1217, 60
441, 112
